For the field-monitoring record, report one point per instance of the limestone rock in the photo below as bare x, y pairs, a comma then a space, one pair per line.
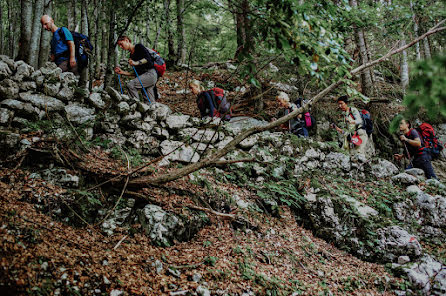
8, 61
159, 225
5, 116
5, 72
42, 102
95, 99
384, 169
79, 114
176, 122
427, 276
183, 153
9, 89
336, 160
144, 143
405, 179
51, 89
66, 94
123, 108
23, 71
28, 86
394, 241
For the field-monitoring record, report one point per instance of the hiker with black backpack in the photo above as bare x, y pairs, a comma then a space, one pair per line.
62, 51
296, 125
212, 102
414, 150
147, 67
354, 135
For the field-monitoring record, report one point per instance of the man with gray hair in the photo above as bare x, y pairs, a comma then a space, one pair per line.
296, 125
62, 52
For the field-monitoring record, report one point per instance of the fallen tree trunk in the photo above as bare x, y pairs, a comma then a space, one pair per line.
212, 160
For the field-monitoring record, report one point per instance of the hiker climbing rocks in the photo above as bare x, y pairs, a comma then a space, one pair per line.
62, 51
143, 66
354, 135
296, 125
212, 102
414, 150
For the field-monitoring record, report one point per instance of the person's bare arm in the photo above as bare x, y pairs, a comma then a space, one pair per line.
72, 54
414, 143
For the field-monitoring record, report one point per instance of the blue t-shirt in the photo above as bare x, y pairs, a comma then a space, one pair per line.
58, 45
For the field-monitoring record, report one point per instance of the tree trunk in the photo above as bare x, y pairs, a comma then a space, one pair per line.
96, 59
404, 67
26, 21
111, 48
104, 41
171, 58
158, 33
366, 78
45, 37
181, 33
427, 48
71, 15
1, 29
12, 27
75, 15
84, 30
149, 22
415, 30
37, 32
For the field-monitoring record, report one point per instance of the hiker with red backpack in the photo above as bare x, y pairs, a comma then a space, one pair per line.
62, 49
212, 102
414, 150
148, 66
355, 136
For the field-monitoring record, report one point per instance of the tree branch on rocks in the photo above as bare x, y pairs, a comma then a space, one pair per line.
212, 160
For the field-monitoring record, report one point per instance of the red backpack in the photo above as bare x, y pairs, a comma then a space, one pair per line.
220, 102
158, 62
431, 143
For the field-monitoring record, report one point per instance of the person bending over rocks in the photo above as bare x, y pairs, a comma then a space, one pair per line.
212, 102
296, 125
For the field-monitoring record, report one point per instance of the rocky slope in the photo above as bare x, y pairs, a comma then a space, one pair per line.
228, 230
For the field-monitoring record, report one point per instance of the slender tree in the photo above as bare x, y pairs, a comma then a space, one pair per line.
366, 78
26, 22
181, 51
36, 33
1, 28
71, 16
105, 26
404, 66
45, 37
171, 58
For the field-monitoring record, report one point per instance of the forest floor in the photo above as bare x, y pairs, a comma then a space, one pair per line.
281, 256
41, 254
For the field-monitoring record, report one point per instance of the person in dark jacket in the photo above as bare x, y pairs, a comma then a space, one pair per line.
414, 150
296, 125
142, 61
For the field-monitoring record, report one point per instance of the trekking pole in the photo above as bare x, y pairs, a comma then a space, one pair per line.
120, 85
145, 92
408, 154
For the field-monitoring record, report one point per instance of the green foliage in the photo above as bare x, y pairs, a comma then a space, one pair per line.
285, 192
427, 88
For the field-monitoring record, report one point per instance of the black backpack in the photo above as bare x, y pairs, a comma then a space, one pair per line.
82, 47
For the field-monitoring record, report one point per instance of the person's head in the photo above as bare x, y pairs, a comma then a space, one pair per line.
405, 125
283, 99
48, 23
195, 87
343, 103
124, 42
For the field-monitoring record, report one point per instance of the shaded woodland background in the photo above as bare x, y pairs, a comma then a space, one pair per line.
314, 42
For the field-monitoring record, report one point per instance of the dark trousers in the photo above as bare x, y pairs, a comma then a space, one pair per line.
423, 162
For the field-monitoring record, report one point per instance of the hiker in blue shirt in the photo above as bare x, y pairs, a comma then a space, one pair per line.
62, 53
